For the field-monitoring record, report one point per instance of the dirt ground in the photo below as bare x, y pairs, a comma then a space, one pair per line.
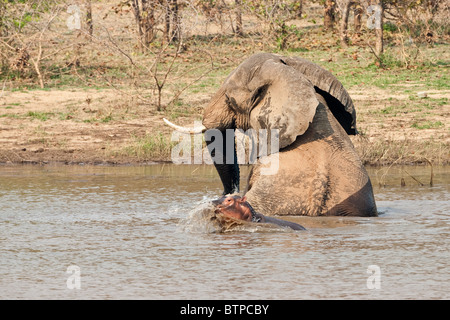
68, 127
95, 126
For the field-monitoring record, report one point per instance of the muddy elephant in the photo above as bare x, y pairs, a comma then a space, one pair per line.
319, 172
237, 207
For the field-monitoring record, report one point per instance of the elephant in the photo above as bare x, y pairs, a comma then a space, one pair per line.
237, 207
319, 172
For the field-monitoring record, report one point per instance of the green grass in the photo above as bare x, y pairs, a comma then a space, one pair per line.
149, 147
429, 73
12, 105
10, 115
101, 120
43, 116
427, 124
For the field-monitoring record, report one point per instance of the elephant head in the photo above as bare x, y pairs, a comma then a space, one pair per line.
269, 91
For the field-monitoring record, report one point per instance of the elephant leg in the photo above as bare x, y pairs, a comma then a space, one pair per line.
360, 203
297, 188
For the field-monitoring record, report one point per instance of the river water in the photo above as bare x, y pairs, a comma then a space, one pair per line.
99, 232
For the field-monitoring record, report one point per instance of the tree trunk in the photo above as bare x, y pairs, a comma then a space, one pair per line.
3, 31
299, 9
167, 21
344, 22
175, 22
90, 25
36, 63
379, 29
283, 37
172, 23
328, 18
239, 30
147, 21
137, 16
375, 21
357, 12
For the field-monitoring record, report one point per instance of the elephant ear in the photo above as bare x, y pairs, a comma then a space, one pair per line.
331, 89
282, 99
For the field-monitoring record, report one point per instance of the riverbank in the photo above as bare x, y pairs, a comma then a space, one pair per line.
99, 126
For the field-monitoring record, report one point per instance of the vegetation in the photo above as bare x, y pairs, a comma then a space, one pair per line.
167, 57
156, 147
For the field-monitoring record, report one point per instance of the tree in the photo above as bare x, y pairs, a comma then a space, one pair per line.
239, 30
375, 22
329, 14
344, 6
277, 15
148, 20
89, 23
172, 23
379, 29
145, 21
357, 15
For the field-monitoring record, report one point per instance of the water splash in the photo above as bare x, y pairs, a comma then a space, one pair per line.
203, 219
200, 219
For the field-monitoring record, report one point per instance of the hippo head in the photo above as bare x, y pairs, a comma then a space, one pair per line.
234, 206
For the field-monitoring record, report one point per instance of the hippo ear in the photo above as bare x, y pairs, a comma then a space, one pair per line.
243, 199
282, 99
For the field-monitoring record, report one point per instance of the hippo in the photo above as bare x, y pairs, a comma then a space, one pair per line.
238, 208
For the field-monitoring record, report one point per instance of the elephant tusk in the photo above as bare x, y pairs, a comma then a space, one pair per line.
194, 130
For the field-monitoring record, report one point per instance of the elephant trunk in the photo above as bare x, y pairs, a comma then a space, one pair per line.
223, 154
225, 161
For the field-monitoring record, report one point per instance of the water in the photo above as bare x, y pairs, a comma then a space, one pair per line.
132, 233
